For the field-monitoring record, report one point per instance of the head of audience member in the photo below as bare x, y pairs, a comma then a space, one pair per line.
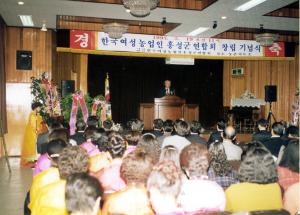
277, 129
195, 127
80, 125
92, 121
221, 125
218, 159
292, 132
60, 133
194, 161
107, 124
258, 165
93, 134
136, 168
53, 125
83, 194
229, 134
72, 159
102, 143
116, 145
137, 125
133, 137
150, 145
170, 153
167, 83
54, 148
290, 158
168, 126
158, 124
182, 128
36, 106
164, 185
262, 124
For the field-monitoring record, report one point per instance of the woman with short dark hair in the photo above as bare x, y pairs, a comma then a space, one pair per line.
258, 188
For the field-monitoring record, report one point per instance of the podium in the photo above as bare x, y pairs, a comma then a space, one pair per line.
167, 107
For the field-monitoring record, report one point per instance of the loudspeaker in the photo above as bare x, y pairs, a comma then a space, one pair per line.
290, 49
67, 87
270, 93
24, 60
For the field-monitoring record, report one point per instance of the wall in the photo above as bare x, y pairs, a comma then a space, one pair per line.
18, 97
284, 74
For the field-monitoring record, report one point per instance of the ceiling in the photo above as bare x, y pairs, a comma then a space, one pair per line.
276, 15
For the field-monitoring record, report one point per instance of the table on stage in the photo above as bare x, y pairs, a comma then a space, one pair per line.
167, 107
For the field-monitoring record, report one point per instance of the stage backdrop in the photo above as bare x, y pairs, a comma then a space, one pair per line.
134, 80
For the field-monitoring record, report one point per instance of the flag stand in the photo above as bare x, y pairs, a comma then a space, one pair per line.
2, 138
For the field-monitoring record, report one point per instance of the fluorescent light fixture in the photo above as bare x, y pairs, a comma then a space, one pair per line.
224, 17
127, 10
20, 3
198, 31
249, 4
26, 20
180, 61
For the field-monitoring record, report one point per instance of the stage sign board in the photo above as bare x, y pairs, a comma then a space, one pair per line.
172, 45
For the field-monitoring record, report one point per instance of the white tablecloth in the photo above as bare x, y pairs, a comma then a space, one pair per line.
236, 102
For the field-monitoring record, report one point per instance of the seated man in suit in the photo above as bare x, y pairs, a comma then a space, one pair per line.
195, 130
262, 135
167, 90
158, 125
275, 141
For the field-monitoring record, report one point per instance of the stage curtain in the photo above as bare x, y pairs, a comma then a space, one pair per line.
2, 75
134, 80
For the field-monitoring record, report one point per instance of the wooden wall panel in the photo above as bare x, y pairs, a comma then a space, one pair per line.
32, 39
284, 74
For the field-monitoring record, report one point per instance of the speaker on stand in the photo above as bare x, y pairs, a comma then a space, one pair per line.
270, 96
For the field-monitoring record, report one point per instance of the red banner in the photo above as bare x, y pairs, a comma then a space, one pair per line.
82, 39
276, 50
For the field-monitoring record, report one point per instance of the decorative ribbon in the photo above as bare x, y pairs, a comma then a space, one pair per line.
77, 97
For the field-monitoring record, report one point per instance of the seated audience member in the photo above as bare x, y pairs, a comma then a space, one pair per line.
109, 177
233, 152
178, 140
262, 134
43, 138
170, 153
91, 135
132, 138
198, 194
216, 136
288, 169
137, 125
168, 128
275, 142
150, 145
292, 133
194, 136
107, 125
83, 194
133, 200
164, 185
78, 137
258, 188
158, 125
92, 121
51, 198
220, 170
60, 133
54, 147
292, 200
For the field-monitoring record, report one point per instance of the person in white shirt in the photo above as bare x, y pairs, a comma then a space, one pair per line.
233, 152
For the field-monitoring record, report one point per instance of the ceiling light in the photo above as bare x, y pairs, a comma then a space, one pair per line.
264, 38
198, 31
249, 4
224, 17
20, 3
44, 27
140, 8
127, 10
115, 30
26, 20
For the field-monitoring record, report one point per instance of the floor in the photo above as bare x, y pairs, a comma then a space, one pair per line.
13, 187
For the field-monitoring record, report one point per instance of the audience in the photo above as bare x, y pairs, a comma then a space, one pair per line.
137, 125
91, 134
262, 134
178, 140
198, 194
232, 151
107, 125
168, 128
220, 170
59, 133
170, 153
275, 141
149, 144
292, 199
78, 137
132, 138
92, 121
258, 188
216, 136
195, 130
158, 127
83, 194
292, 132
